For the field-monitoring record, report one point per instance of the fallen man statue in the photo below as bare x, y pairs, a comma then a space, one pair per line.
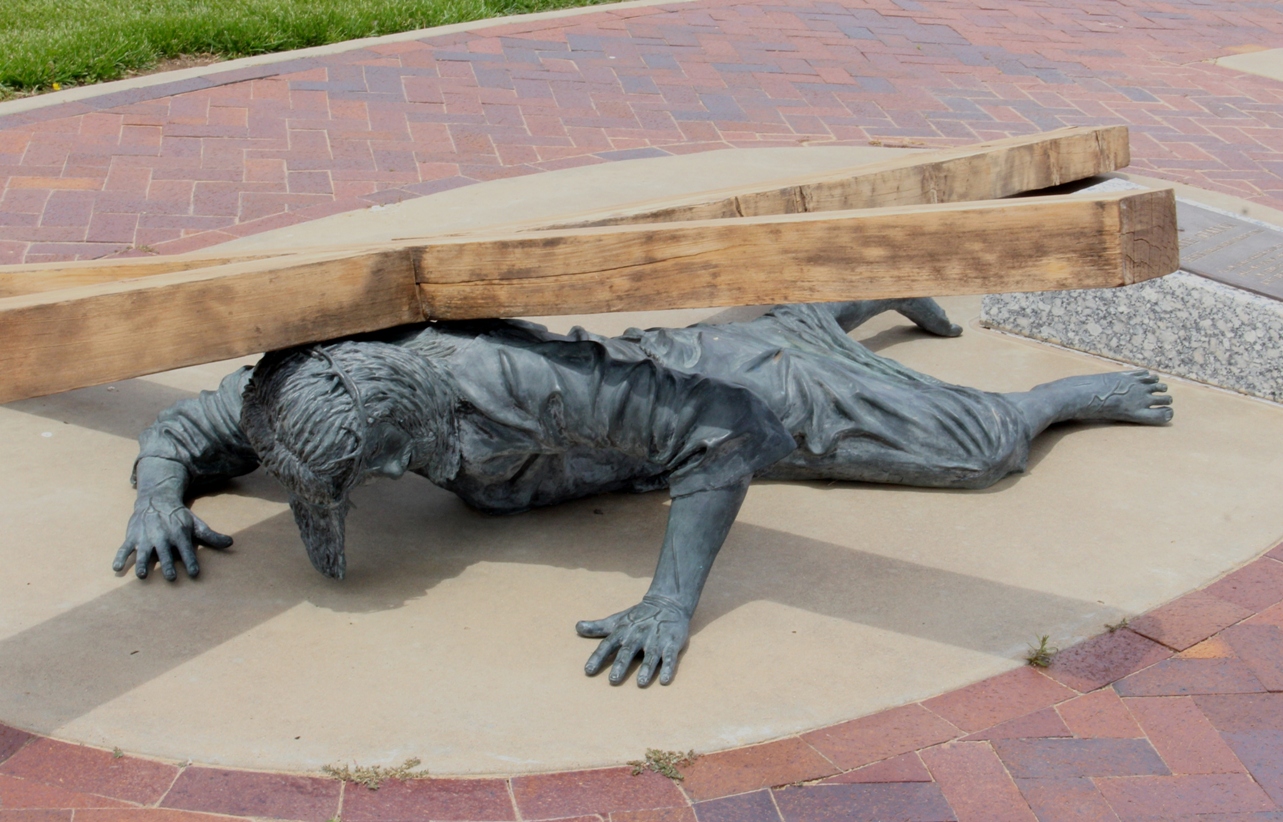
510, 416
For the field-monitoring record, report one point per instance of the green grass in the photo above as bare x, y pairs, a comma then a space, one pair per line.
73, 42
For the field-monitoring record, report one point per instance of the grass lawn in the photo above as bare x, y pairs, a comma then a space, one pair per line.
73, 42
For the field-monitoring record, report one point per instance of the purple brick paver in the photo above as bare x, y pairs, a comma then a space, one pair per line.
1180, 714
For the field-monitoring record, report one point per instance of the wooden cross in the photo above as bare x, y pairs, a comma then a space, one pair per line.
929, 224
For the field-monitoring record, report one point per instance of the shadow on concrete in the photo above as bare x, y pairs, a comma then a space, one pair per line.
406, 537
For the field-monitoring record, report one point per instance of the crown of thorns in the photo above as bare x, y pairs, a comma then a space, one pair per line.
286, 464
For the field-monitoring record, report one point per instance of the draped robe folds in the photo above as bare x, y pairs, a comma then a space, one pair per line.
541, 418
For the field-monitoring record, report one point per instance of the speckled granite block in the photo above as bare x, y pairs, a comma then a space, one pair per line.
1181, 324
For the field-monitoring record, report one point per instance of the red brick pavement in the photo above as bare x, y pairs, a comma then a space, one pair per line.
187, 164
1179, 717
1119, 728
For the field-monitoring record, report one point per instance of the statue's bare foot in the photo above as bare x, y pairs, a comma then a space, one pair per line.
927, 314
1128, 396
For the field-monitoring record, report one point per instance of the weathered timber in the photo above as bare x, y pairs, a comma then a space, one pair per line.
16, 280
985, 171
1034, 244
75, 337
58, 340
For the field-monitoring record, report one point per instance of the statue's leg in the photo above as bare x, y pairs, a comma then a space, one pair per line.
1122, 396
925, 312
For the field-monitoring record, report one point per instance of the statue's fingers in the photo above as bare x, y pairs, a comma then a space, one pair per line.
595, 628
624, 660
1161, 399
208, 536
188, 552
122, 557
650, 663
604, 650
669, 669
142, 562
166, 559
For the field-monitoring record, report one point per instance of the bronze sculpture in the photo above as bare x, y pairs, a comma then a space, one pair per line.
510, 416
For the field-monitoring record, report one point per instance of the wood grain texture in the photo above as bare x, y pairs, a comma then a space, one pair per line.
89, 335
1033, 244
17, 280
984, 171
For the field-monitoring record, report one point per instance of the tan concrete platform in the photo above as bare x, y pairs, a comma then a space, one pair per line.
452, 638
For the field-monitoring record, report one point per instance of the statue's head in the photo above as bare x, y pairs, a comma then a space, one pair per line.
323, 418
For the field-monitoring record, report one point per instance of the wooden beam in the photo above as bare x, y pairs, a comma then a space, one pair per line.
1033, 244
59, 340
16, 280
56, 341
985, 171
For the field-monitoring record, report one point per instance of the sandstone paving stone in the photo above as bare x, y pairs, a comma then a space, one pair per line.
1214, 647
998, 699
1189, 620
1105, 658
1066, 800
1181, 677
89, 770
1242, 713
1262, 754
975, 783
550, 796
759, 766
11, 740
1067, 758
25, 793
1037, 724
147, 815
757, 806
34, 816
1183, 737
1260, 647
475, 800
1255, 586
250, 793
881, 736
1170, 797
903, 768
910, 802
1270, 616
1099, 714
655, 815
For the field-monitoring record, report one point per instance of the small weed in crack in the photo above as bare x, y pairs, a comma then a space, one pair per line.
373, 775
665, 763
1040, 656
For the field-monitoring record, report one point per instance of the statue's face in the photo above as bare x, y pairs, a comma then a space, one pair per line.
389, 452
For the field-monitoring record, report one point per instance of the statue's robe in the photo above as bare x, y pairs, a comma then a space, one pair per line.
540, 418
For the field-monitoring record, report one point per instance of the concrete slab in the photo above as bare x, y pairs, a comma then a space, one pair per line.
452, 638
1266, 63
570, 191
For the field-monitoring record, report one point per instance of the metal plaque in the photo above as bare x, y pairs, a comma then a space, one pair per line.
1232, 251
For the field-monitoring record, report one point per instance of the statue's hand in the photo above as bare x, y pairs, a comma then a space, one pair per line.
655, 627
159, 527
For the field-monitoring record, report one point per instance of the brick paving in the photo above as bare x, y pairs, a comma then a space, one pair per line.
1129, 725
1178, 716
184, 165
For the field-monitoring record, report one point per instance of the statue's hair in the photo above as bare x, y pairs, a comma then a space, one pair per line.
307, 411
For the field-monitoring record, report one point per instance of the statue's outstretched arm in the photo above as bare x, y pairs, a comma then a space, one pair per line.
659, 625
192, 442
